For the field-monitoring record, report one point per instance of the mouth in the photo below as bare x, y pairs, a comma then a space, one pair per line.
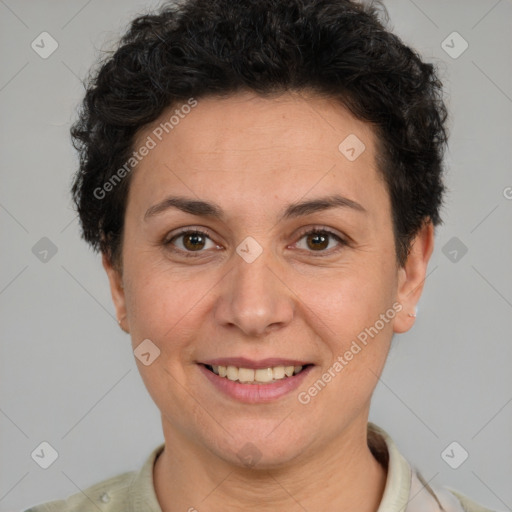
266, 375
255, 381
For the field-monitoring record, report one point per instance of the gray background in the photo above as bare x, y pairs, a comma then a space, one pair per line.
67, 372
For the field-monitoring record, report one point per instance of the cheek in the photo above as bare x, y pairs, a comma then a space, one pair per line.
351, 300
354, 317
163, 303
160, 307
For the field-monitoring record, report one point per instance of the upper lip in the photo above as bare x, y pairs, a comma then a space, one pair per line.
243, 362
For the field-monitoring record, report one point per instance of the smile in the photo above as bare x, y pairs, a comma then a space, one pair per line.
255, 376
255, 382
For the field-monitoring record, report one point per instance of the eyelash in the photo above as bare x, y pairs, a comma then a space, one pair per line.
315, 230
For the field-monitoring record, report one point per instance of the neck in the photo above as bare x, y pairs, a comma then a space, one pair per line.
345, 476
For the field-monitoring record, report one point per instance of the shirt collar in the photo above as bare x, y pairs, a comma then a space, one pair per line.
398, 482
142, 495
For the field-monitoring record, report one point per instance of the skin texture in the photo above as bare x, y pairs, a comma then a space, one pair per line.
253, 157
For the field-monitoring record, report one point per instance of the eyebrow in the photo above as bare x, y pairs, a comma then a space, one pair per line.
213, 210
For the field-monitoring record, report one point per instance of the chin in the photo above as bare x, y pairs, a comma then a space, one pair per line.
261, 446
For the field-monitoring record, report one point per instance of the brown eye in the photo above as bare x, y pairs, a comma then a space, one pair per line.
317, 241
194, 241
320, 241
191, 241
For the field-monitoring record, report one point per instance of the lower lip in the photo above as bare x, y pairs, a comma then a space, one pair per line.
255, 393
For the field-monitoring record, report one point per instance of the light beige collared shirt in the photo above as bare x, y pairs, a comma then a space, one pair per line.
405, 490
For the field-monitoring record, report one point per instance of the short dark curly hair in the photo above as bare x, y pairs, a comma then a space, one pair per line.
198, 48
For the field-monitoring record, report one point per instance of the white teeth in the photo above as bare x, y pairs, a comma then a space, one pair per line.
278, 372
246, 374
232, 373
261, 375
288, 370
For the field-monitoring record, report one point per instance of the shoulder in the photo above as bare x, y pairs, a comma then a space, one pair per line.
425, 497
467, 504
106, 496
117, 494
438, 498
406, 489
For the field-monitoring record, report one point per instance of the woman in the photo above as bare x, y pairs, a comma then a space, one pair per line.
263, 180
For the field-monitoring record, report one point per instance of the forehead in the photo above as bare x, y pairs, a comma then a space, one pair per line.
246, 146
247, 121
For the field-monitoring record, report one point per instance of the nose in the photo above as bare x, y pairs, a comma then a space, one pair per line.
254, 297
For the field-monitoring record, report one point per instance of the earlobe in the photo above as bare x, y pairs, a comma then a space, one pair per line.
412, 276
117, 290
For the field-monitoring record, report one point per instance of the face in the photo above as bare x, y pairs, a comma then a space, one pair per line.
252, 241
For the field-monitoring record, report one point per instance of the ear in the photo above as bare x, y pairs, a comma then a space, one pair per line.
117, 290
411, 277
